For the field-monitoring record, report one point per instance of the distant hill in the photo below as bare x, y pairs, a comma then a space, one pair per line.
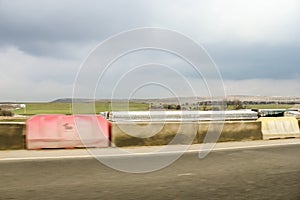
243, 98
70, 100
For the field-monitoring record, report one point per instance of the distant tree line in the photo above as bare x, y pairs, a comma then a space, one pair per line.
5, 112
166, 106
235, 104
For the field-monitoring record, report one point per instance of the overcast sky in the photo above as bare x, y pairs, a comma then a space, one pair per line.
255, 44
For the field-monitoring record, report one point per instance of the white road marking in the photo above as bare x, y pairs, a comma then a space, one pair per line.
251, 146
44, 158
185, 174
145, 153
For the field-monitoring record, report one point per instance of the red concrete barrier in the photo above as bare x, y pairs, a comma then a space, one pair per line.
62, 131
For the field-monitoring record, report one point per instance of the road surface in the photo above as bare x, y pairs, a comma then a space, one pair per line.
258, 172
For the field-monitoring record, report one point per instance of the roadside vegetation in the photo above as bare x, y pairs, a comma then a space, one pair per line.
6, 113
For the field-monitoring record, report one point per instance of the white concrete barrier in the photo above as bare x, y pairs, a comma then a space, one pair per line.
279, 127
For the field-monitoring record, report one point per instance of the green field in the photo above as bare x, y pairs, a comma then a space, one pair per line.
84, 108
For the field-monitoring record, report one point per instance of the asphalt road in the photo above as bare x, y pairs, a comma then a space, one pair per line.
254, 173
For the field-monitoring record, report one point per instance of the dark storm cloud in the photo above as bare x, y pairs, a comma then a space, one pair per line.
42, 27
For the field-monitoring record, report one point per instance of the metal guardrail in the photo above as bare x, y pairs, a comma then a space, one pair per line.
180, 115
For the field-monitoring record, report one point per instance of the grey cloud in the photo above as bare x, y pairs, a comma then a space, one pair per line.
49, 40
272, 87
51, 28
257, 61
34, 26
